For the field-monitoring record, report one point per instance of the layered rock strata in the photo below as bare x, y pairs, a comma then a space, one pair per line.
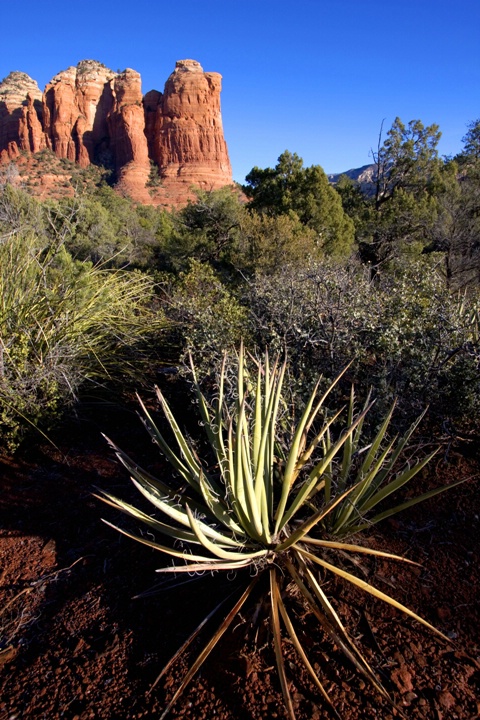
90, 114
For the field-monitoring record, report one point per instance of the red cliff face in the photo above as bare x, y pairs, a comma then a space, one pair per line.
20, 116
76, 103
91, 114
129, 147
187, 143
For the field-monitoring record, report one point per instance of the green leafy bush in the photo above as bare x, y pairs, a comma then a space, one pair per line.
205, 315
407, 335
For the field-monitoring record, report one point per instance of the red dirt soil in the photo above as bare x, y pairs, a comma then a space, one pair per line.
76, 643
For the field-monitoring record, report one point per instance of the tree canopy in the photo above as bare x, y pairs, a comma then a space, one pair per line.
305, 193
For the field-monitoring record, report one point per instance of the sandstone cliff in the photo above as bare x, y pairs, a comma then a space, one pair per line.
90, 114
20, 116
187, 142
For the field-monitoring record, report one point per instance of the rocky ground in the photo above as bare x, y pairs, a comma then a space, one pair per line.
86, 626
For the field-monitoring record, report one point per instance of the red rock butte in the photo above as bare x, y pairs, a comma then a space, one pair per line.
159, 145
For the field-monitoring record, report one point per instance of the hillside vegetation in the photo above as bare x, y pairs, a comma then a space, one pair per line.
96, 289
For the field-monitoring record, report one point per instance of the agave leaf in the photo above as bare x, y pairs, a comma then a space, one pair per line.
300, 437
258, 419
354, 654
240, 377
182, 468
156, 525
313, 520
244, 480
159, 489
389, 467
234, 490
349, 445
157, 546
315, 474
317, 409
211, 566
405, 505
264, 461
273, 444
297, 446
375, 446
355, 503
263, 474
213, 428
401, 479
190, 458
326, 394
305, 457
217, 507
348, 547
138, 472
299, 648
215, 549
181, 515
331, 623
277, 641
225, 624
332, 450
371, 590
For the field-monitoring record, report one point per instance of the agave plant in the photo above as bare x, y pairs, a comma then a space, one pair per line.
276, 501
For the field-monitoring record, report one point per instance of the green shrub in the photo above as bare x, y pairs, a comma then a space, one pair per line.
205, 314
407, 335
62, 322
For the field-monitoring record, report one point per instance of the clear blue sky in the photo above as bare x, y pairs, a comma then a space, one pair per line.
316, 77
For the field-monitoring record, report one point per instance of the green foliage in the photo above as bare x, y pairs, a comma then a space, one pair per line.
19, 212
204, 313
408, 177
406, 333
471, 141
306, 194
267, 242
407, 159
207, 229
355, 203
275, 497
62, 323
457, 228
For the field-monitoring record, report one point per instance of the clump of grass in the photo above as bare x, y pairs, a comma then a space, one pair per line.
274, 498
62, 323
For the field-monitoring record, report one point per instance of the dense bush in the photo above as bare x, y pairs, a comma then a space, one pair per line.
62, 322
204, 314
407, 335
276, 271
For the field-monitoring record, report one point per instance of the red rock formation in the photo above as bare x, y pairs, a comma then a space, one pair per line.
188, 143
20, 116
91, 114
30, 130
76, 105
127, 132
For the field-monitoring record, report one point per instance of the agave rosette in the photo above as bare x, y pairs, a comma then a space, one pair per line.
277, 502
